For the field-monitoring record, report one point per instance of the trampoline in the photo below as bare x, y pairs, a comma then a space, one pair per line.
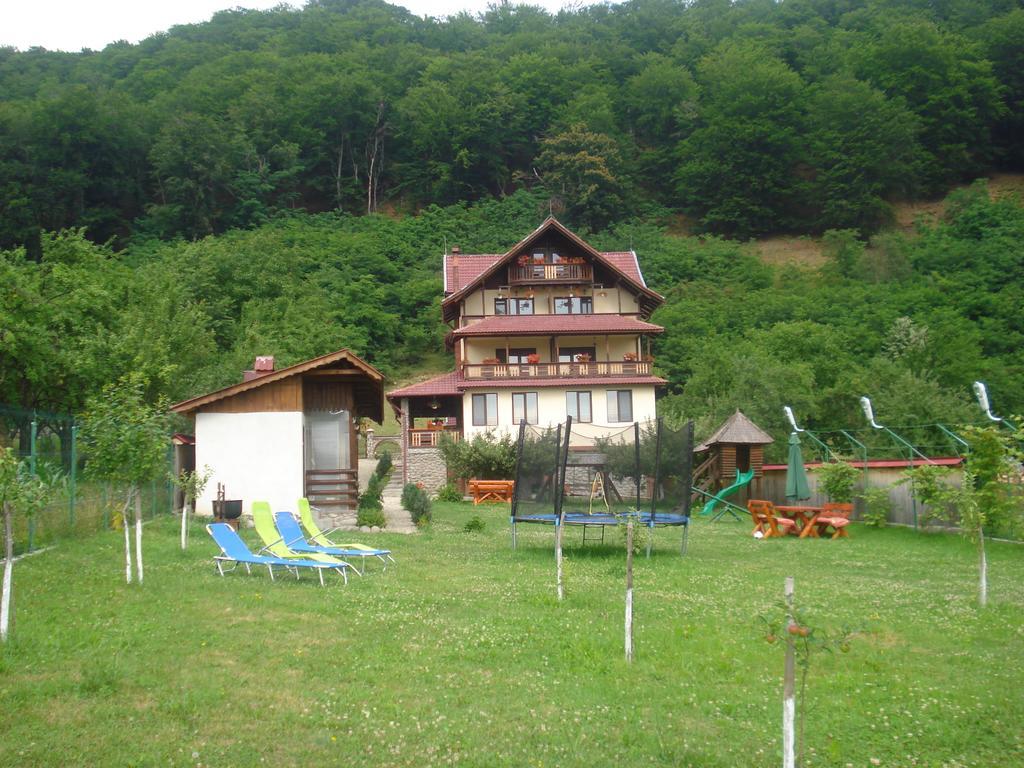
591, 477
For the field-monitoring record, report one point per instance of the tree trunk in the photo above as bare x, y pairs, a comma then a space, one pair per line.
558, 559
185, 509
789, 686
127, 537
982, 570
138, 533
337, 175
7, 598
629, 590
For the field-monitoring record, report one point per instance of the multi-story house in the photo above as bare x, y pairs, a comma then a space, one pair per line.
551, 328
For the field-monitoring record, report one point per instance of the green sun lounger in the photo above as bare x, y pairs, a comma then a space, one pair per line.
316, 536
289, 529
234, 550
273, 542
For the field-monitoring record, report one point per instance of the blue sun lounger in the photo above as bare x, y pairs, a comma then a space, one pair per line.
292, 537
233, 550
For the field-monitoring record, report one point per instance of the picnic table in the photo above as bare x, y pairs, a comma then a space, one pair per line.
814, 522
804, 517
491, 491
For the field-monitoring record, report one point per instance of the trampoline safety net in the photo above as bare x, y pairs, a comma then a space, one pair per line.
590, 473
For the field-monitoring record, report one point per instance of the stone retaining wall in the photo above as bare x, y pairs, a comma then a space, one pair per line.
426, 466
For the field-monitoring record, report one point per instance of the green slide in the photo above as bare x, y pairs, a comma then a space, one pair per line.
742, 479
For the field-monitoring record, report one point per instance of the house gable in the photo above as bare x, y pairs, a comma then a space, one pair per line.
551, 242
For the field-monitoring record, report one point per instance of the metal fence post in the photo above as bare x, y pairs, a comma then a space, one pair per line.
73, 476
32, 467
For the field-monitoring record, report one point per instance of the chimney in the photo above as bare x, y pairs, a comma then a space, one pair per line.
456, 250
264, 364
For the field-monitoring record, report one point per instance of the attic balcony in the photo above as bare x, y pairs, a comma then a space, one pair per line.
539, 273
527, 371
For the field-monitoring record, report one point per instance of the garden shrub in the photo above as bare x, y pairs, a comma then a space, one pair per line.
484, 457
877, 506
384, 465
837, 480
474, 525
416, 502
449, 492
371, 507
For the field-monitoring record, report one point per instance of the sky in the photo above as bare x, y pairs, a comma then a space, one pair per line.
70, 25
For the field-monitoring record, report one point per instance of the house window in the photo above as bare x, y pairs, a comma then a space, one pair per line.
572, 354
524, 406
577, 405
515, 356
574, 305
485, 410
620, 405
513, 306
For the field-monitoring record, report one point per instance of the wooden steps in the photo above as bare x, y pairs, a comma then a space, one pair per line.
332, 489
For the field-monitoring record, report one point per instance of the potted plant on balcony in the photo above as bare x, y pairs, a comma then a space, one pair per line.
533, 359
630, 357
583, 357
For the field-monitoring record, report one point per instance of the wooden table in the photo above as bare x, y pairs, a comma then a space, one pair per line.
804, 517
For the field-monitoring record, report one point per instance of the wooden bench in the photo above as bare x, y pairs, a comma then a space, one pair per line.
491, 491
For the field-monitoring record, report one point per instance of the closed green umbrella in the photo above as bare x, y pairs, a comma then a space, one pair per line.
797, 488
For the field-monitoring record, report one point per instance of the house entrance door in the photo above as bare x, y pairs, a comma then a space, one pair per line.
331, 480
327, 441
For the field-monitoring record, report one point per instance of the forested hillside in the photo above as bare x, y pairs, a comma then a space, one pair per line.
178, 206
750, 117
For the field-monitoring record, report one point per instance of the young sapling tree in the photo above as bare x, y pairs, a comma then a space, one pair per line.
191, 484
126, 438
24, 493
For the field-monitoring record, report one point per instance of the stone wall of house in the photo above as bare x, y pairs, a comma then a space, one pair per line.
426, 466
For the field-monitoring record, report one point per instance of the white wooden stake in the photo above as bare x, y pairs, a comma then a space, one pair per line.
558, 559
138, 533
629, 590
982, 570
5, 600
789, 687
184, 523
127, 539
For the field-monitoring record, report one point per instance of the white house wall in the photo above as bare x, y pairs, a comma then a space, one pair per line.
257, 456
551, 408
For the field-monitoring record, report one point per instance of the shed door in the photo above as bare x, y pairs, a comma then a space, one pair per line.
327, 440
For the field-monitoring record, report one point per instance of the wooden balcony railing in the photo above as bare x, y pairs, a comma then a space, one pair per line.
550, 273
554, 370
430, 438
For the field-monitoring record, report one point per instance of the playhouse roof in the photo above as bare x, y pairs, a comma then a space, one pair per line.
737, 430
371, 400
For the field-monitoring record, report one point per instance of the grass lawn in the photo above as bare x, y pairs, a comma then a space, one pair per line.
460, 654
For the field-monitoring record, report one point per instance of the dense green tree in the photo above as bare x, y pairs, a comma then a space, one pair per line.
738, 168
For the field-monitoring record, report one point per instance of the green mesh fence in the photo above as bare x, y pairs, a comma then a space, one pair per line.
48, 445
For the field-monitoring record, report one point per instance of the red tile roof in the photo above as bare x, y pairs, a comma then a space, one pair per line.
533, 325
625, 262
575, 381
463, 268
445, 384
943, 461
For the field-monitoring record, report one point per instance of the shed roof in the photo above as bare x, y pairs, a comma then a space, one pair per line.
352, 361
738, 430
